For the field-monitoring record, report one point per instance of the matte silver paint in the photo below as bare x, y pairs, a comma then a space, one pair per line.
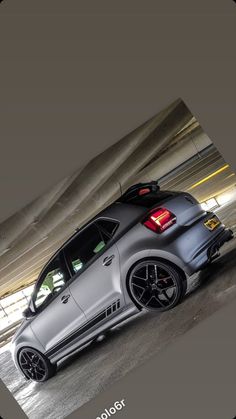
61, 328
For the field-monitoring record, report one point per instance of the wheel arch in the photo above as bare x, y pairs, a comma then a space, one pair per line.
50, 368
157, 258
23, 342
17, 355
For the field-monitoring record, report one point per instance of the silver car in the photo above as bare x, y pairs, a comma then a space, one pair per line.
134, 255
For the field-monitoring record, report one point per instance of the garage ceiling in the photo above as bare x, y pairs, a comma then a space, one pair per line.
171, 147
90, 82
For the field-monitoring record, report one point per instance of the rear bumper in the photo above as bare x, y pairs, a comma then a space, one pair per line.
224, 237
209, 251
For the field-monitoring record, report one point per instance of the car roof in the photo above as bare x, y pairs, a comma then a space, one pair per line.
117, 211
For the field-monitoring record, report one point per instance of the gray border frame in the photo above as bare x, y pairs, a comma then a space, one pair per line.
177, 49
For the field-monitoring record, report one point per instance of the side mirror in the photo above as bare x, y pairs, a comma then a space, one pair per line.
27, 313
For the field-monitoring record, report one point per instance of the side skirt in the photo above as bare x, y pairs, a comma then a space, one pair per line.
82, 336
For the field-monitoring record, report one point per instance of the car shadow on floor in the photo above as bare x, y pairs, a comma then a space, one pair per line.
108, 337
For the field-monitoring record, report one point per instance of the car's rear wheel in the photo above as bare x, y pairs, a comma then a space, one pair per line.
156, 285
35, 366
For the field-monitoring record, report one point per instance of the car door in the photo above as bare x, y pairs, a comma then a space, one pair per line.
96, 284
57, 313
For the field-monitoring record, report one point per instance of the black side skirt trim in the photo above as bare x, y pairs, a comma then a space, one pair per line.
91, 323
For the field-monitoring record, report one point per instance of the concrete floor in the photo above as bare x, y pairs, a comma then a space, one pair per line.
94, 369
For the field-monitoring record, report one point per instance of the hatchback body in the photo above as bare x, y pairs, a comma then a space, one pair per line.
136, 254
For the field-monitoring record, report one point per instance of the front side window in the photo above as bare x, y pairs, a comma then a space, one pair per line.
84, 247
51, 281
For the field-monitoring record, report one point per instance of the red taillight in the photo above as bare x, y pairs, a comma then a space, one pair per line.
159, 220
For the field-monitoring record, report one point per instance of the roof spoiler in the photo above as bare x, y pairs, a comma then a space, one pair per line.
139, 189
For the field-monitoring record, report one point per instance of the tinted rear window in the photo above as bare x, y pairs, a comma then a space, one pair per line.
108, 226
84, 247
150, 199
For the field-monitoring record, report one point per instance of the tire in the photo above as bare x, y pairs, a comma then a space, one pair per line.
156, 285
34, 365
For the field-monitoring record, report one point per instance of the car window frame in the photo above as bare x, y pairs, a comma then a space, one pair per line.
103, 230
41, 279
74, 275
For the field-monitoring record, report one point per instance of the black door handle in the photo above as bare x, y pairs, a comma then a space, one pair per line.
65, 298
108, 260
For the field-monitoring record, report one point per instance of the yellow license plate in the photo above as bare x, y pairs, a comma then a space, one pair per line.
212, 223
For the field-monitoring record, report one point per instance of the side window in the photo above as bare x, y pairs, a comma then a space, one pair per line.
109, 227
84, 247
51, 281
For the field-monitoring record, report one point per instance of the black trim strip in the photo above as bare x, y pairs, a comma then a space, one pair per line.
91, 323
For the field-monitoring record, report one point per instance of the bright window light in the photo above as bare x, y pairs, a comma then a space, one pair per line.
12, 306
211, 203
204, 206
226, 197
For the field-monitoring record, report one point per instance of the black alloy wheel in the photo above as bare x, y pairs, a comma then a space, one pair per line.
156, 285
35, 365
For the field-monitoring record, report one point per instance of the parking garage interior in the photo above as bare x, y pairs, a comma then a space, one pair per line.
171, 148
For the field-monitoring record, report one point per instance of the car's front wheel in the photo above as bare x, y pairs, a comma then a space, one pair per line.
156, 285
34, 365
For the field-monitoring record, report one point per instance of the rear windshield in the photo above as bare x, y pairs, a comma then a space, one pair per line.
150, 199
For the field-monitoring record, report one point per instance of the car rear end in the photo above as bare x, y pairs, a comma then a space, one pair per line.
177, 228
